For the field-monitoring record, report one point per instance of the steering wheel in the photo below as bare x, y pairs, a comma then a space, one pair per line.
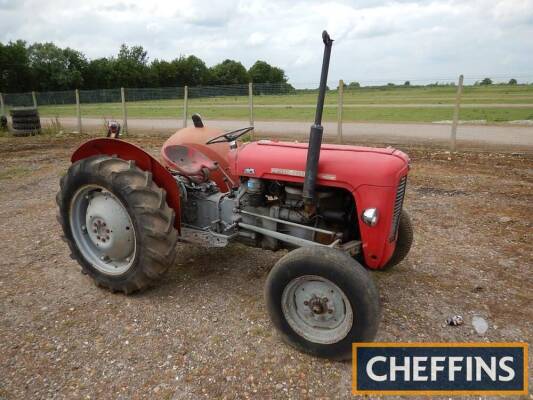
230, 136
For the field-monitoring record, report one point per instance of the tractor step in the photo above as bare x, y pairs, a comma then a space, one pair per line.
204, 238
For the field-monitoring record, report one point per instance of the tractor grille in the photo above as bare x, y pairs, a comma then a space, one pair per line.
398, 203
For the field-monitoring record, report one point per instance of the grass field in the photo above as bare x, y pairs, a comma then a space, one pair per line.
497, 103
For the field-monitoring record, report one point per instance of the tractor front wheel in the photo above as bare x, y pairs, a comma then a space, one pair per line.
404, 241
116, 222
321, 300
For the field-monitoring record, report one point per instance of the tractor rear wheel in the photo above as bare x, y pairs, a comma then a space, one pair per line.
321, 300
116, 222
404, 241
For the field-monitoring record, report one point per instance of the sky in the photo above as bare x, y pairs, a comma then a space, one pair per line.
375, 41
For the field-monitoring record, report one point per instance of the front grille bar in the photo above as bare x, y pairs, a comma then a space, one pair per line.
398, 204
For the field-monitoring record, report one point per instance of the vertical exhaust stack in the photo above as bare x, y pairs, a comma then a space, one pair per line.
315, 135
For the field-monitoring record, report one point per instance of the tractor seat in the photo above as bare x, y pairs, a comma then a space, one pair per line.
190, 162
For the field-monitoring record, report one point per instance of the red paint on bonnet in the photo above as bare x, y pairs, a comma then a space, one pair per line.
371, 175
143, 160
339, 166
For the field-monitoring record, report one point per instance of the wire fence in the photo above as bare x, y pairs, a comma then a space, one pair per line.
144, 94
444, 101
405, 92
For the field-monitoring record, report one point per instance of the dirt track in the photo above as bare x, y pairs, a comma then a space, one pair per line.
468, 136
204, 330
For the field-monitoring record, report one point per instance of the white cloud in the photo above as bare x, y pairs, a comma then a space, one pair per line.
374, 40
257, 38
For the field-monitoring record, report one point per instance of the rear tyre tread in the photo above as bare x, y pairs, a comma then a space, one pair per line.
148, 208
24, 112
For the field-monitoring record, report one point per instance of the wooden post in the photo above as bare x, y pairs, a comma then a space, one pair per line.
251, 104
78, 109
34, 97
124, 112
2, 105
339, 111
455, 122
185, 105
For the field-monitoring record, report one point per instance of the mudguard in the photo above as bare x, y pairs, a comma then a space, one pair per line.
143, 160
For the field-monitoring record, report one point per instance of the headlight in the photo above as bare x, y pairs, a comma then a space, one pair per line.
370, 216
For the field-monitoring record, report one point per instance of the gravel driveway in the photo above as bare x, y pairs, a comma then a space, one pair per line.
204, 331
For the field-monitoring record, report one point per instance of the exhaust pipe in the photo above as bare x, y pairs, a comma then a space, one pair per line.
315, 135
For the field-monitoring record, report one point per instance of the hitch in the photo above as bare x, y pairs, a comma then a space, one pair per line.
316, 132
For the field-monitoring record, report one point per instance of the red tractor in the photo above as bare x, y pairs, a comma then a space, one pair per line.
338, 208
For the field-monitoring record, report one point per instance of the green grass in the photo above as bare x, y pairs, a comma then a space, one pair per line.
285, 107
374, 114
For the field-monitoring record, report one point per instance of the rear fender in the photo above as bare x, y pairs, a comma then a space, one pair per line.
143, 160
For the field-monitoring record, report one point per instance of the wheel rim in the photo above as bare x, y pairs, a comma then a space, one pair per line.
317, 309
103, 230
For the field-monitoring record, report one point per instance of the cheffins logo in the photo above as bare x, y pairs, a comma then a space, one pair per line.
440, 368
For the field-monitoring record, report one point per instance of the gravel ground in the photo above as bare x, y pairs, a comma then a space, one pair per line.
204, 331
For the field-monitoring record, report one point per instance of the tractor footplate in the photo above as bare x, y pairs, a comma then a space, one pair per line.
204, 238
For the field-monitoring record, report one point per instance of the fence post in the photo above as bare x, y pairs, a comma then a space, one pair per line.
2, 105
34, 97
339, 111
455, 122
251, 104
78, 109
185, 105
124, 111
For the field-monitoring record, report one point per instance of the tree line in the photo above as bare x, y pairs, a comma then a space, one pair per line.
47, 67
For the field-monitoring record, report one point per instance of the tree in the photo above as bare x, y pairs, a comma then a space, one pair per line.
407, 83
165, 73
15, 72
100, 74
131, 67
486, 81
135, 54
54, 68
191, 71
513, 81
179, 72
45, 66
354, 85
262, 72
228, 72
76, 65
277, 75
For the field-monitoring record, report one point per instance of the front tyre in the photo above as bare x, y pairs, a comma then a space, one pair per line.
116, 222
321, 301
404, 241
